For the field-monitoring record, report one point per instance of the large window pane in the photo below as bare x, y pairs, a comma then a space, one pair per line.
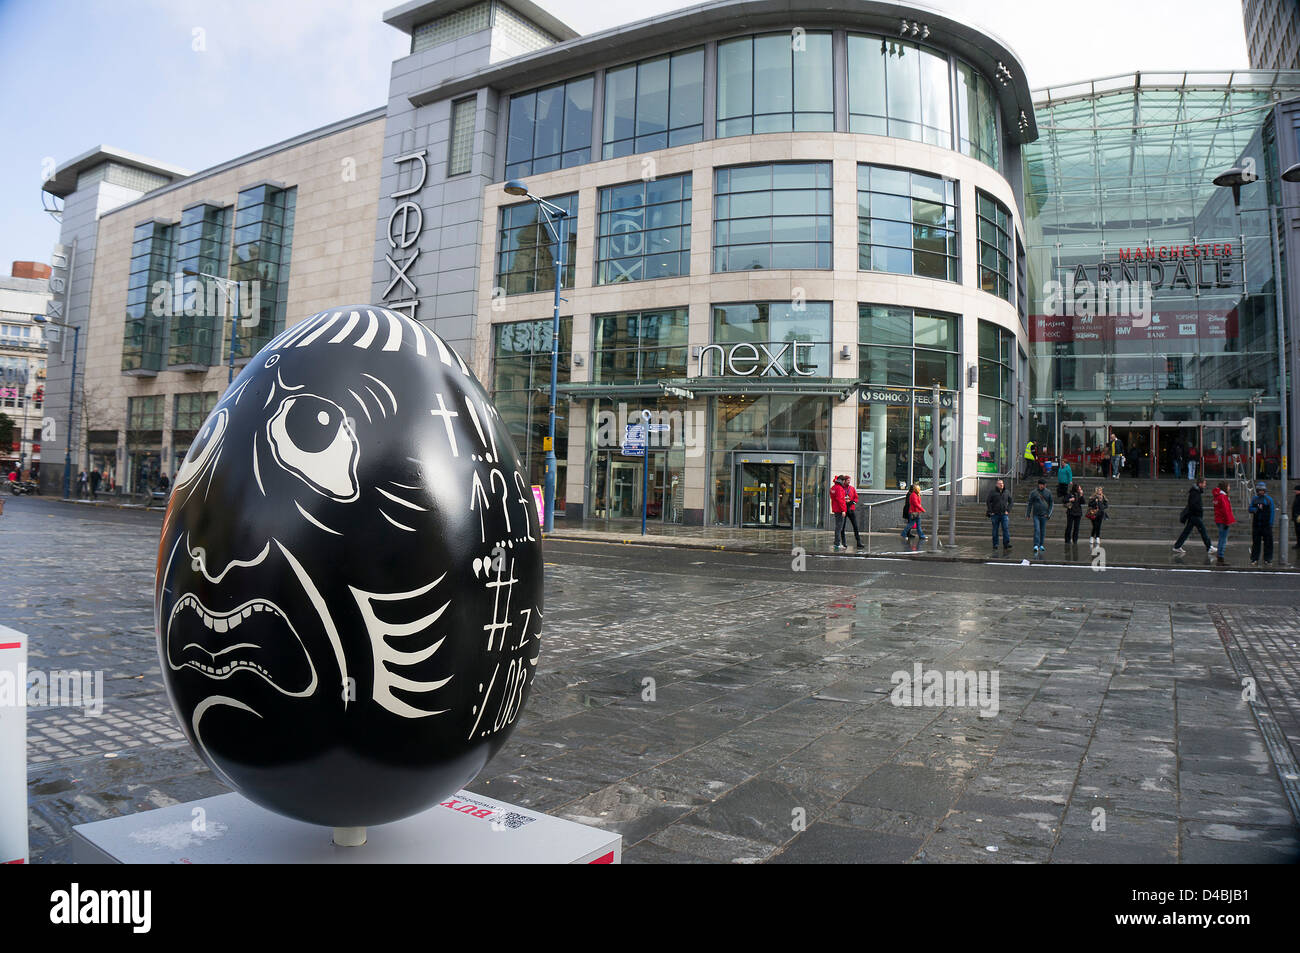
898, 218
749, 231
629, 246
774, 83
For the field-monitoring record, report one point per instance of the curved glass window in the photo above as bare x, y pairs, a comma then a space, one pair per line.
549, 128
643, 230
654, 104
977, 117
779, 82
994, 246
907, 223
899, 89
772, 216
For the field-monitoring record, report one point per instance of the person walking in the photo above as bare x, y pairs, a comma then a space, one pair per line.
81, 484
839, 508
1064, 480
1096, 514
912, 512
998, 510
1073, 513
1193, 517
1105, 461
1261, 512
1192, 459
1177, 455
1223, 518
95, 479
1039, 510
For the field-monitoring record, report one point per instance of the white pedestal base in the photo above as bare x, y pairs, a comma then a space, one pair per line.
229, 829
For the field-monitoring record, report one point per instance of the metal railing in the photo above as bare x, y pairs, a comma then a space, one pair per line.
894, 499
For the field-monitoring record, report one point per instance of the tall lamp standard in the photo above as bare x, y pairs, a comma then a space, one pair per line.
231, 301
72, 399
555, 218
1234, 179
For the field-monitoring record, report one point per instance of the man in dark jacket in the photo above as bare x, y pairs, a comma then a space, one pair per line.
999, 512
1039, 509
1194, 518
1262, 512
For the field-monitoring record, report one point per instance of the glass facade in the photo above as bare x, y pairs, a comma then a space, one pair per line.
549, 128
644, 230
899, 89
772, 216
152, 257
902, 354
654, 104
615, 481
638, 346
781, 82
907, 223
1149, 315
768, 464
794, 337
997, 354
526, 250
994, 243
977, 117
202, 249
521, 385
263, 240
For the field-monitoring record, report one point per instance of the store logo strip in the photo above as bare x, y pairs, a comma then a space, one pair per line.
743, 360
405, 225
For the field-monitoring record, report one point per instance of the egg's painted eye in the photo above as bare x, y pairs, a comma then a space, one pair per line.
311, 438
205, 446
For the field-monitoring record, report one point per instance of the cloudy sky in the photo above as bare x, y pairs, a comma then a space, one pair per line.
195, 83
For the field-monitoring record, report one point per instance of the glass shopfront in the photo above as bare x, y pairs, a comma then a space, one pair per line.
1154, 301
902, 354
768, 465
615, 480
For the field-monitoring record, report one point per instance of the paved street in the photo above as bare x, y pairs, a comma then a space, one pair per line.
718, 706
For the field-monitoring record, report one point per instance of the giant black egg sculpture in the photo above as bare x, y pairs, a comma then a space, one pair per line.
349, 585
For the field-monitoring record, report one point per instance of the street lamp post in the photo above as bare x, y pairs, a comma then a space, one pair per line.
555, 218
72, 400
1234, 179
231, 302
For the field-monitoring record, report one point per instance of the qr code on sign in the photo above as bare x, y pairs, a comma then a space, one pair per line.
511, 820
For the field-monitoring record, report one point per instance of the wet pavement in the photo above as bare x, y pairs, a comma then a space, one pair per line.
742, 707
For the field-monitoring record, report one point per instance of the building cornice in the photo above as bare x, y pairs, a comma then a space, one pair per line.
724, 18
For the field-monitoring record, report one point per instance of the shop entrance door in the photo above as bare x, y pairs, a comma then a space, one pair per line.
766, 495
1173, 440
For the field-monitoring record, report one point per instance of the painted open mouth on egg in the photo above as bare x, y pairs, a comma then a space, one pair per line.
234, 643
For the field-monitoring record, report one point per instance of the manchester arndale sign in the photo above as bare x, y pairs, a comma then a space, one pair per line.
754, 360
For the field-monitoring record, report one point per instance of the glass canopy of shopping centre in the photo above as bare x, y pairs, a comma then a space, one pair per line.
1119, 188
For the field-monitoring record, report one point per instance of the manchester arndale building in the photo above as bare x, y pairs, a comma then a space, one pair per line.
808, 238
